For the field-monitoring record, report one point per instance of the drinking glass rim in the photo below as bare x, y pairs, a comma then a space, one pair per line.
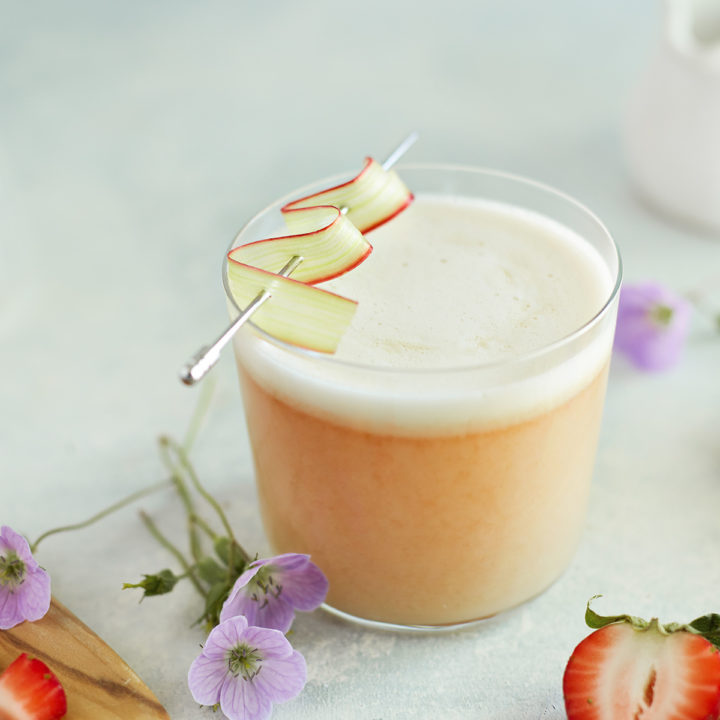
519, 360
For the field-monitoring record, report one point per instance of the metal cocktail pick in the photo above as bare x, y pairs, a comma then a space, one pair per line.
199, 364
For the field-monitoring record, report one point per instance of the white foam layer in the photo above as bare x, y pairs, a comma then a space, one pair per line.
478, 287
462, 282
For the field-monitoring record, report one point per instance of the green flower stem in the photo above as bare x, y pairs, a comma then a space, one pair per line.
190, 470
155, 532
204, 526
187, 465
166, 444
104, 513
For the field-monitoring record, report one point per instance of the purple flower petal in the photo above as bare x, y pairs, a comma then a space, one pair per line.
24, 585
284, 678
249, 574
10, 540
284, 671
652, 325
225, 635
238, 602
270, 591
10, 611
246, 669
259, 609
286, 561
206, 677
304, 584
278, 614
273, 643
34, 595
244, 700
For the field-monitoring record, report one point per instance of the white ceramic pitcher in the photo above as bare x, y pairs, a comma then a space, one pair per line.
673, 126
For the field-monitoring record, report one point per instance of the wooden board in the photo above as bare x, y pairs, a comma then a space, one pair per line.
98, 683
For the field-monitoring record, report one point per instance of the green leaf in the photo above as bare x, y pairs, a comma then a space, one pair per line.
211, 571
708, 626
159, 584
214, 601
595, 621
222, 550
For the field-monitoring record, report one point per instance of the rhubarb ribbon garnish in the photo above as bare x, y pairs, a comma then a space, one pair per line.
330, 243
372, 197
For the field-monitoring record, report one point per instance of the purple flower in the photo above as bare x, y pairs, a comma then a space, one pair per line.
246, 669
652, 325
269, 591
24, 585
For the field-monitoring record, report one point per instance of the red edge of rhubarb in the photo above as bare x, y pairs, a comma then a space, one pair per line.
350, 267
297, 235
289, 206
314, 281
298, 282
406, 204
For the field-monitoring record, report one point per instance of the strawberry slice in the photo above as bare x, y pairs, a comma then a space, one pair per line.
29, 691
632, 669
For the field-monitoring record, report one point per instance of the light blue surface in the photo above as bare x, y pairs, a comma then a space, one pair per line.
135, 138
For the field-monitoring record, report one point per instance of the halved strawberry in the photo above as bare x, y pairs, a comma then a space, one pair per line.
631, 669
29, 691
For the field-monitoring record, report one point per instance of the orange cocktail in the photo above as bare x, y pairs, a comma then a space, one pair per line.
437, 467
